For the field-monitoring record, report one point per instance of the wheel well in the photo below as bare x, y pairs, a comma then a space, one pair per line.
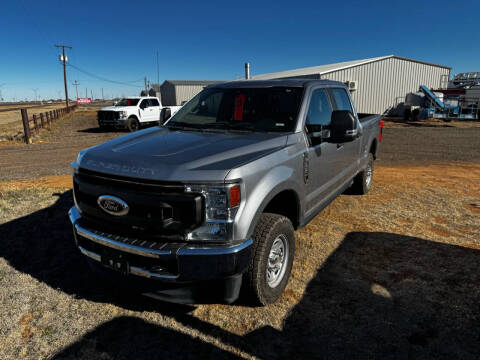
133, 117
373, 149
285, 203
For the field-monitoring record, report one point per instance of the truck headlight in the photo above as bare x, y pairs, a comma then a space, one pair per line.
221, 206
122, 114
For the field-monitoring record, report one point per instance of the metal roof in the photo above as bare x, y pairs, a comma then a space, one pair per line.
324, 69
273, 83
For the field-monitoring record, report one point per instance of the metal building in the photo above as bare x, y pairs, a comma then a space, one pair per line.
177, 92
377, 84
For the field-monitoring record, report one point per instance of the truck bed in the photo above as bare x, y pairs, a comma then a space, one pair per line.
367, 117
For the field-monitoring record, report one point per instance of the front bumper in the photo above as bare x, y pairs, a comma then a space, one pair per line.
120, 123
168, 262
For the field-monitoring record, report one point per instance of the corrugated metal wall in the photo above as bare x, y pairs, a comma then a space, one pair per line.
380, 83
186, 92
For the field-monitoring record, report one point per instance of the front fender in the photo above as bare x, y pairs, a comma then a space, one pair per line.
271, 184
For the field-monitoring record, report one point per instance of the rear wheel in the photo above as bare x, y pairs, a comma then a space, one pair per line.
363, 181
271, 260
133, 124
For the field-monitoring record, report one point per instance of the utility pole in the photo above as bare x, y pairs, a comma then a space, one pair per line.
102, 95
35, 91
76, 83
63, 59
146, 94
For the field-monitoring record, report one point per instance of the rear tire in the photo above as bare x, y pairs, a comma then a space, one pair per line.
133, 124
271, 260
363, 181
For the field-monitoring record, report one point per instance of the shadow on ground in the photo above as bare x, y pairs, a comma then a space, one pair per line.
379, 295
98, 130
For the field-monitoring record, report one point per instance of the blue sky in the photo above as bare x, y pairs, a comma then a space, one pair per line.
213, 39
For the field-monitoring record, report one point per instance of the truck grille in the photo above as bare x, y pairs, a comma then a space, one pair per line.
157, 210
107, 115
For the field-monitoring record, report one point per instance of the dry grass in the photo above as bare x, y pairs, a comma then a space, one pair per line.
435, 205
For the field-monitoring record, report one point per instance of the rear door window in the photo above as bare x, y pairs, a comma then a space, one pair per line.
342, 101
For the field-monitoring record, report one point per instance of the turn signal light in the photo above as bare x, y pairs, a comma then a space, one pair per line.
235, 196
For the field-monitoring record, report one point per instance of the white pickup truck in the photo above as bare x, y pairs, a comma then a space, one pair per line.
133, 112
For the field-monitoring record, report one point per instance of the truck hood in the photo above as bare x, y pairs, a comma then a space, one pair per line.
176, 155
117, 108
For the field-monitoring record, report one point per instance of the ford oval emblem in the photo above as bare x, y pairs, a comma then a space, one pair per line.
113, 205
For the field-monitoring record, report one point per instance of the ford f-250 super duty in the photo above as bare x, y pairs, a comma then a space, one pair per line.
133, 112
214, 195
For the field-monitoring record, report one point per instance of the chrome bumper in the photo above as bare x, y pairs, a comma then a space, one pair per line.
189, 256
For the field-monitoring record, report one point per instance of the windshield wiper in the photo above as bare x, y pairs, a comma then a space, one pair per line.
183, 125
230, 126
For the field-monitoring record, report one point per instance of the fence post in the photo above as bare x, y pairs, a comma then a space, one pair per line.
48, 118
51, 117
26, 126
41, 120
35, 123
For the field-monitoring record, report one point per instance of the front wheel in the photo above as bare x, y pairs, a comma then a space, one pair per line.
133, 124
271, 261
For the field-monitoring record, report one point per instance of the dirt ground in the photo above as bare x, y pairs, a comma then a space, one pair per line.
393, 274
396, 122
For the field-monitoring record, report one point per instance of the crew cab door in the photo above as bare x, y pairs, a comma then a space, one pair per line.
321, 163
348, 152
155, 109
144, 110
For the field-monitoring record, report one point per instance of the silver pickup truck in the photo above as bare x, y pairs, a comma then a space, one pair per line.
208, 203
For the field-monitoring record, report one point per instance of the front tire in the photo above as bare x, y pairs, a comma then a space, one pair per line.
363, 181
133, 124
271, 260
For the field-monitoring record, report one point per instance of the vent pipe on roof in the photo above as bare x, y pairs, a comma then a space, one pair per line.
247, 70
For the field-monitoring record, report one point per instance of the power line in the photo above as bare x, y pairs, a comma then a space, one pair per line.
105, 79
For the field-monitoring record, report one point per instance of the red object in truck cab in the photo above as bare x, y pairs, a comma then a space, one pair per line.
239, 102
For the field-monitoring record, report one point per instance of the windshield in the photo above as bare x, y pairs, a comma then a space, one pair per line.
127, 102
255, 109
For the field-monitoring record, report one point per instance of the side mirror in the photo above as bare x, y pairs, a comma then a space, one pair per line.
317, 133
343, 127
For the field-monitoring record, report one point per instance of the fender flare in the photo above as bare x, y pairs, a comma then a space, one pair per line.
288, 185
